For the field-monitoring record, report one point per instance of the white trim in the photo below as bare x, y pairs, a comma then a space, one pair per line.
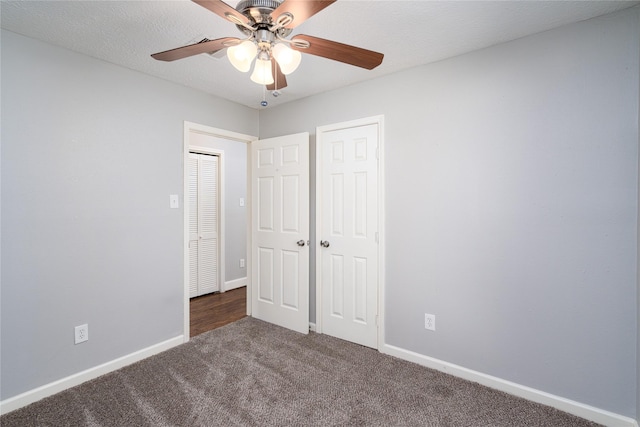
46, 390
249, 209
235, 284
318, 260
320, 130
207, 130
576, 408
222, 133
381, 232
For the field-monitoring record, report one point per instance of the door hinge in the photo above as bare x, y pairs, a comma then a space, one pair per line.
377, 237
377, 324
378, 153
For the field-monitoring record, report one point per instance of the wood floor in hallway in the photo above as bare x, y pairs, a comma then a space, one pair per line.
214, 310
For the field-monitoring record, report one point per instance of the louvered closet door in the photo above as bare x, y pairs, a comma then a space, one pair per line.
193, 224
203, 224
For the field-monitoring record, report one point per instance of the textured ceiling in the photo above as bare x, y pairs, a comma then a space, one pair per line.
409, 33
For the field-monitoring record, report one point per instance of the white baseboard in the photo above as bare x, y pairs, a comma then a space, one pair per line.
576, 408
235, 284
46, 390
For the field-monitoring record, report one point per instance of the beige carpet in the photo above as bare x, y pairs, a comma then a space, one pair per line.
251, 373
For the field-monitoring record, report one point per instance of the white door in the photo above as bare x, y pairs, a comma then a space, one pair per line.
280, 224
203, 224
348, 238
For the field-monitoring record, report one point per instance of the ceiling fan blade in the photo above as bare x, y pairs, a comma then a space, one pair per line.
279, 80
223, 10
339, 52
300, 9
207, 46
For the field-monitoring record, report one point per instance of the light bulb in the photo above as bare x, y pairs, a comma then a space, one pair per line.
287, 58
262, 72
241, 55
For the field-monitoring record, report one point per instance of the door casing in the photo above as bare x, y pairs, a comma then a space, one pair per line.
320, 131
190, 127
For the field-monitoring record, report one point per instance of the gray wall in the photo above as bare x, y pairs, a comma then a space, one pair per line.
511, 183
511, 206
235, 182
90, 154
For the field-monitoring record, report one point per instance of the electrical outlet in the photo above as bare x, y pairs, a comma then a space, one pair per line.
82, 333
241, 262
430, 321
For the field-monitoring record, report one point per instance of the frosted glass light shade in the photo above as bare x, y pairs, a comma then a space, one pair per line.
241, 55
287, 58
262, 72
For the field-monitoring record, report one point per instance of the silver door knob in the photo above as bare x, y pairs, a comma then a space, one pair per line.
324, 243
300, 242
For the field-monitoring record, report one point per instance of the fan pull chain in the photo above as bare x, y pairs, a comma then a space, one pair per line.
264, 102
275, 91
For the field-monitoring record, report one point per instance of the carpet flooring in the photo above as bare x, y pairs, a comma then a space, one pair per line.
251, 373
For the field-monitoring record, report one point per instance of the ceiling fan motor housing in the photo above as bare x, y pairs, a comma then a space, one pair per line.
258, 11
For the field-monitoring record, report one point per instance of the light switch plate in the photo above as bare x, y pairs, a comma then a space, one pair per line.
173, 201
241, 201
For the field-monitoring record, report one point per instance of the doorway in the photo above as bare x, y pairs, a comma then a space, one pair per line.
231, 150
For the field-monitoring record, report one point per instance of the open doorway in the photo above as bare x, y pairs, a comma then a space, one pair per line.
231, 257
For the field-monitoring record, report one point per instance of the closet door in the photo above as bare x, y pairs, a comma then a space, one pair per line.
203, 224
193, 224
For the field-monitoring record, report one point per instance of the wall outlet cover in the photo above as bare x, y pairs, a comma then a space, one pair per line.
81, 333
430, 321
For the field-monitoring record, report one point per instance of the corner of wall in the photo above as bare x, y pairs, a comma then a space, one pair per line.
637, 10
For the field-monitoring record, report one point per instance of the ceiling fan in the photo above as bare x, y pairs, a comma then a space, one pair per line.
266, 24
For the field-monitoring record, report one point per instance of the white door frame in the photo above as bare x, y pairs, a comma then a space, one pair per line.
320, 131
190, 127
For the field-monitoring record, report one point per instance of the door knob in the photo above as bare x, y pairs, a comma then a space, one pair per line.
300, 242
324, 243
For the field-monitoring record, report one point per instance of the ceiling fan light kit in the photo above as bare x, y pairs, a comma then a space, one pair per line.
262, 72
266, 24
241, 55
287, 58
